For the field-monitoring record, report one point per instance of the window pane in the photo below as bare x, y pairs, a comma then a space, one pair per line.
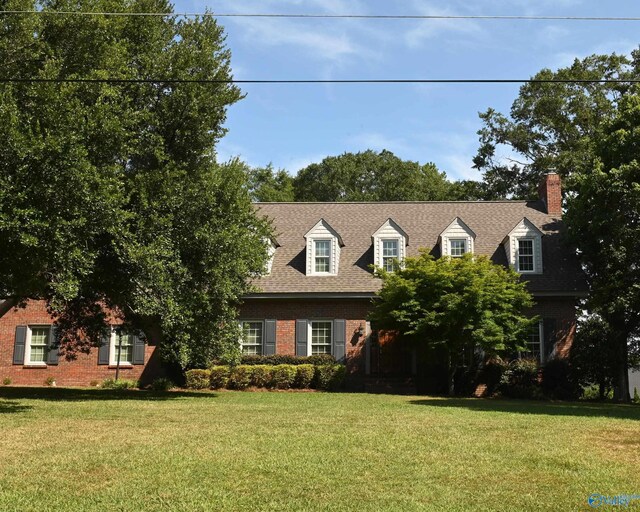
458, 247
39, 342
252, 338
321, 337
390, 248
533, 342
525, 255
124, 348
323, 256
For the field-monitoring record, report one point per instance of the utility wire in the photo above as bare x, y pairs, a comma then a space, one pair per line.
334, 16
312, 81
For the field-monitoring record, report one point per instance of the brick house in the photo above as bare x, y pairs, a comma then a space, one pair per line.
319, 286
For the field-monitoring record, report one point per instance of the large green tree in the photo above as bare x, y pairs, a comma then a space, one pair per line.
110, 193
552, 126
268, 185
604, 221
458, 304
370, 176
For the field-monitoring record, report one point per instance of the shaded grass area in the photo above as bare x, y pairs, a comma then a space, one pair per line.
69, 449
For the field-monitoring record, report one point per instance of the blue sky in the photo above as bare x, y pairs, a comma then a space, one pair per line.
294, 125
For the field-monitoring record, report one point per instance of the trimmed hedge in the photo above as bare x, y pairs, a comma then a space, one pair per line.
219, 376
328, 377
198, 379
275, 360
520, 379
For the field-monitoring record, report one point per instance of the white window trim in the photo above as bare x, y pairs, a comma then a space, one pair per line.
465, 241
254, 320
533, 255
27, 345
541, 336
113, 347
309, 331
313, 256
398, 240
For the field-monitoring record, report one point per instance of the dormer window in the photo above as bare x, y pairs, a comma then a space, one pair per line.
457, 239
525, 255
323, 250
389, 245
390, 253
457, 247
322, 256
523, 246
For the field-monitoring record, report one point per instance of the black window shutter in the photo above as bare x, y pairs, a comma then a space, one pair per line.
103, 351
19, 344
301, 337
138, 350
269, 339
339, 339
52, 354
549, 336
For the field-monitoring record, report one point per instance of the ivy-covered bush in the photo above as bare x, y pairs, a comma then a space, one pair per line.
557, 381
198, 379
304, 376
283, 376
219, 376
162, 384
520, 379
491, 374
119, 384
261, 375
279, 359
329, 377
240, 377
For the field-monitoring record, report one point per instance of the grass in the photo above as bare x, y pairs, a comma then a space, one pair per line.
69, 449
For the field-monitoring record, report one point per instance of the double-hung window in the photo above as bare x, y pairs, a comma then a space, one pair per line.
38, 345
534, 342
252, 332
321, 337
123, 348
525, 255
390, 253
457, 247
322, 256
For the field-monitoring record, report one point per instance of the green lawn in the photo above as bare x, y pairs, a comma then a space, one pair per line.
64, 449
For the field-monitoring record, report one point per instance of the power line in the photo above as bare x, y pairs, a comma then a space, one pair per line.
334, 16
330, 81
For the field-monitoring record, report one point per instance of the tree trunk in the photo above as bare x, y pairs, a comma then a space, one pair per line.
451, 374
621, 376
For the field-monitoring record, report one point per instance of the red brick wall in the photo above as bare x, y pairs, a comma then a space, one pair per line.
563, 309
67, 373
287, 311
550, 191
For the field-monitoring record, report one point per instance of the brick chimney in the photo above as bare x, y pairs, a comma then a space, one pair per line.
550, 192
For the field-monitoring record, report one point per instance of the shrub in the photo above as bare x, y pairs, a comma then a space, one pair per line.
304, 376
94, 383
197, 379
219, 376
50, 381
520, 379
162, 384
491, 374
557, 382
329, 377
279, 359
636, 397
283, 376
7, 381
240, 377
261, 375
119, 384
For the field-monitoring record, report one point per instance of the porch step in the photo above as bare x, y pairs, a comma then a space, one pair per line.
390, 385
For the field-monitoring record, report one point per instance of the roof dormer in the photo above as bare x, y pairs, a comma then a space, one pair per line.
457, 239
389, 244
272, 245
523, 246
323, 250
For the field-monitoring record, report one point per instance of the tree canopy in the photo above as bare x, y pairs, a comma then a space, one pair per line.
459, 304
110, 193
269, 185
552, 126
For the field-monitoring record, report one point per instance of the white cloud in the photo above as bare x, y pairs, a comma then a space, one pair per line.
378, 142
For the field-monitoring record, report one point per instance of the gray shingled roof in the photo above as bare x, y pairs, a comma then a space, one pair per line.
423, 222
